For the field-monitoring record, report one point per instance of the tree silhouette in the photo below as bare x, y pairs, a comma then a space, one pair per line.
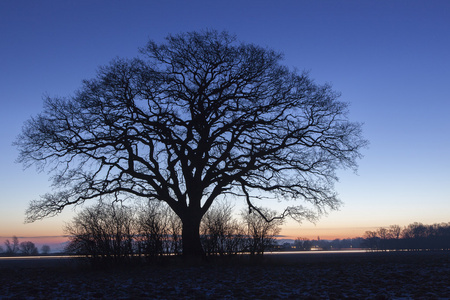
45, 249
193, 118
103, 232
12, 248
414, 237
28, 248
156, 235
221, 234
261, 234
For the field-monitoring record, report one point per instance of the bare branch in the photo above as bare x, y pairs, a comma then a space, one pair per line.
195, 117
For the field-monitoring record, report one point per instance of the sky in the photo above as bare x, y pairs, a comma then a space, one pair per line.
389, 59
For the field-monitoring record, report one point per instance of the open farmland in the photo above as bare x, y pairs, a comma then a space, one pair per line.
392, 275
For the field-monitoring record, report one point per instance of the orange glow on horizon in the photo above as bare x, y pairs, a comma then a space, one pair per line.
324, 233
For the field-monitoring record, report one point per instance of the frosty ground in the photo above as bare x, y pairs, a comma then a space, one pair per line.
392, 275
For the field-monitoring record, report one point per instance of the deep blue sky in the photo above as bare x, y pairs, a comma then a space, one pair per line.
389, 59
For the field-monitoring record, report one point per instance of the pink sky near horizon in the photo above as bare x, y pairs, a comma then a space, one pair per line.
56, 242
288, 232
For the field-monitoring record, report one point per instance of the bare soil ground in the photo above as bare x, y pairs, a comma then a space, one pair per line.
419, 275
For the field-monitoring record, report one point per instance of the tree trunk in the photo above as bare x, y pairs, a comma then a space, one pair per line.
192, 247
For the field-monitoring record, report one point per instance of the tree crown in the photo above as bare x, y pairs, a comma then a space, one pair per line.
190, 119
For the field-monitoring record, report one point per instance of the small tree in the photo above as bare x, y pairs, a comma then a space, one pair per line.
261, 233
28, 248
12, 248
302, 244
236, 237
221, 234
45, 249
395, 231
371, 240
103, 233
175, 228
213, 228
383, 235
153, 227
414, 231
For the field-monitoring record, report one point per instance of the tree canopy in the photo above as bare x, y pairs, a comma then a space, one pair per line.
195, 117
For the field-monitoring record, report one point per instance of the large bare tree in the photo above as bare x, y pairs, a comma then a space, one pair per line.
193, 118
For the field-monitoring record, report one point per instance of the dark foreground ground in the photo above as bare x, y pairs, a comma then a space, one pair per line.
421, 275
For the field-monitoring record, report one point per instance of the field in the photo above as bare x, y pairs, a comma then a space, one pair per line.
394, 275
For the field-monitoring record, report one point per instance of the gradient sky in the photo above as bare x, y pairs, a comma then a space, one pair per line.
389, 59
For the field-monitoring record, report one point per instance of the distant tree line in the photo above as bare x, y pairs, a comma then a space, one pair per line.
14, 248
414, 237
305, 244
340, 244
117, 233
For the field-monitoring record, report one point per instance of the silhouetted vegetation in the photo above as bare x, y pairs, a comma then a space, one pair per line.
45, 249
158, 231
197, 117
304, 244
261, 234
103, 232
416, 236
15, 247
28, 248
116, 233
12, 248
221, 233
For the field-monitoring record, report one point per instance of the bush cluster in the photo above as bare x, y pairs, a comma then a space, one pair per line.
114, 232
